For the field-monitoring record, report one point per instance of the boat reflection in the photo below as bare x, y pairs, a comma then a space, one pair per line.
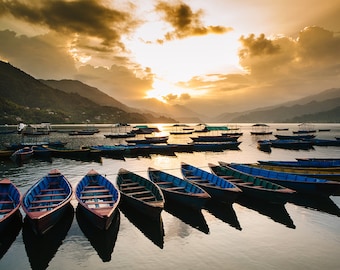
224, 212
318, 203
103, 241
151, 228
8, 236
41, 249
274, 211
192, 217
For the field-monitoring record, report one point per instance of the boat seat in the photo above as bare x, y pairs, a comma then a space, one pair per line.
50, 195
163, 183
227, 177
95, 197
175, 188
127, 189
94, 187
246, 183
40, 207
148, 198
129, 184
52, 189
6, 202
140, 192
193, 177
101, 202
202, 181
5, 210
95, 191
46, 201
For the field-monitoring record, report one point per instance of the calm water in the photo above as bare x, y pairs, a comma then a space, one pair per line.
246, 235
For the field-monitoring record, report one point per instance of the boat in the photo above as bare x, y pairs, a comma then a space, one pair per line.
282, 129
118, 134
218, 188
295, 137
307, 163
149, 140
41, 152
178, 190
322, 173
144, 129
325, 142
9, 203
16, 146
45, 202
22, 155
292, 144
82, 153
5, 154
260, 129
253, 186
215, 146
82, 132
215, 138
264, 145
98, 199
301, 184
305, 128
140, 193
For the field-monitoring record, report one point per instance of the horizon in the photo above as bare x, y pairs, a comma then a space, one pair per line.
215, 57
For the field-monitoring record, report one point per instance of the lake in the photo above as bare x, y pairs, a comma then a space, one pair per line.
303, 234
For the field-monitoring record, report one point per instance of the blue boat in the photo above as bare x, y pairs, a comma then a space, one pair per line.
253, 186
315, 163
22, 155
9, 203
301, 184
218, 188
140, 193
178, 190
46, 201
98, 199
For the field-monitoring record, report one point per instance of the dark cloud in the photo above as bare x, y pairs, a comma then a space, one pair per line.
185, 22
253, 46
83, 17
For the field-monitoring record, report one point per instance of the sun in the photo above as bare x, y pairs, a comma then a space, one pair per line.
163, 88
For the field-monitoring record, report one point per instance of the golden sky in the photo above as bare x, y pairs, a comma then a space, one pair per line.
212, 56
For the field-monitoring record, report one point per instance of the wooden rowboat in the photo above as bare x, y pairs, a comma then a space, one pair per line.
301, 184
22, 155
140, 193
45, 202
253, 186
178, 190
9, 203
218, 188
98, 199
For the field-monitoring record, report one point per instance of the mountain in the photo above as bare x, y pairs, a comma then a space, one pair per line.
315, 106
84, 90
24, 98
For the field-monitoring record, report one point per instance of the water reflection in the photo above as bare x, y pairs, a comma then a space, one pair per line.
41, 249
103, 241
8, 236
224, 212
190, 216
276, 212
318, 203
152, 229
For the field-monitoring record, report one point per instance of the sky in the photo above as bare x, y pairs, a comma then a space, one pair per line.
211, 56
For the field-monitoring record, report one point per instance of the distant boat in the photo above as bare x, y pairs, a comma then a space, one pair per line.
118, 133
292, 144
140, 193
178, 190
301, 184
46, 201
260, 129
295, 137
9, 203
98, 199
305, 128
253, 186
149, 140
282, 129
218, 188
215, 138
22, 155
264, 145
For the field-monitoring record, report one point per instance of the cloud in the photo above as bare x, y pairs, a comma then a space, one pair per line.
85, 18
185, 22
39, 56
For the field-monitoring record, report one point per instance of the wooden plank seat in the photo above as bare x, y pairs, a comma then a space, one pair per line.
50, 195
246, 183
95, 197
40, 207
94, 187
140, 192
101, 202
6, 202
51, 190
46, 201
227, 177
6, 210
148, 198
164, 183
193, 177
95, 191
176, 188
235, 180
127, 189
129, 184
202, 181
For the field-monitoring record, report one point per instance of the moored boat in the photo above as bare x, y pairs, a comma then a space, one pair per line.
45, 202
140, 193
292, 144
301, 184
253, 186
178, 190
98, 198
9, 203
149, 140
218, 188
22, 155
260, 129
307, 163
